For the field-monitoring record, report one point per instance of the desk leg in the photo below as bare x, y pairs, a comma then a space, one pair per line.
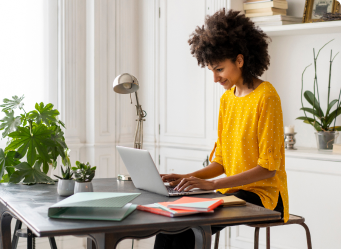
111, 240
5, 228
90, 244
203, 236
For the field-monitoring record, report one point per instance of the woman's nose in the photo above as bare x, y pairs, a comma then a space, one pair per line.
216, 77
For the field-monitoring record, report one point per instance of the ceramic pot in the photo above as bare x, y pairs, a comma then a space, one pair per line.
326, 139
83, 187
65, 187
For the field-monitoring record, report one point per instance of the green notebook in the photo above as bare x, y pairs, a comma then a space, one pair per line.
94, 206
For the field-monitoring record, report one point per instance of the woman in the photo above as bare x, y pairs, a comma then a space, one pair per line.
250, 145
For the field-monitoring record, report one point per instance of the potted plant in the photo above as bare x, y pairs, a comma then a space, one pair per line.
35, 141
323, 122
84, 174
66, 184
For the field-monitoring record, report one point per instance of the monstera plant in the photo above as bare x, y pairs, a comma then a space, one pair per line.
35, 141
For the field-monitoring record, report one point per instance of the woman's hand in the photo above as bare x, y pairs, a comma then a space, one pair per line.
172, 179
186, 184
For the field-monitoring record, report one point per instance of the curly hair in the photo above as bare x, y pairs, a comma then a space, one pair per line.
224, 36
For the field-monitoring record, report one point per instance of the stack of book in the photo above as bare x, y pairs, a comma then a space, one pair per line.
269, 12
189, 205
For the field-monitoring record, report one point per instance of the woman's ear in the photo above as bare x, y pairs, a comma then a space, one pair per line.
240, 60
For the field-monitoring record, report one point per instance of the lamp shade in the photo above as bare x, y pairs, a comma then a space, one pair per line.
125, 83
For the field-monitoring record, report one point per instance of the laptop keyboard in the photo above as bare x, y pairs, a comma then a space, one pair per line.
172, 191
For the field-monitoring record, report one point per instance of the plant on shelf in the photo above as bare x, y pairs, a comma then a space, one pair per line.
323, 123
35, 141
84, 172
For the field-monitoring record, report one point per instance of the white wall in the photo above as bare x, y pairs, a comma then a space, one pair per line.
289, 56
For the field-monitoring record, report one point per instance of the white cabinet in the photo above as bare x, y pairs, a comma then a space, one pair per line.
313, 186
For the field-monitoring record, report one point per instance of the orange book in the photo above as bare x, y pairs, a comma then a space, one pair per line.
156, 209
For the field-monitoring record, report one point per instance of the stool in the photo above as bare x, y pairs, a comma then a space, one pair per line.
293, 219
31, 244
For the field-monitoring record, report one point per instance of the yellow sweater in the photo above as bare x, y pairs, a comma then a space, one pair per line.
250, 133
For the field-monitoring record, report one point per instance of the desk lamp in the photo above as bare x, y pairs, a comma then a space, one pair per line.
124, 84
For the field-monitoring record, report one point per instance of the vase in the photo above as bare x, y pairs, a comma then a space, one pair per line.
326, 139
83, 187
65, 187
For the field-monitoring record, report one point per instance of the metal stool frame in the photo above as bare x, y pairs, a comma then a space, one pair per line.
293, 219
18, 232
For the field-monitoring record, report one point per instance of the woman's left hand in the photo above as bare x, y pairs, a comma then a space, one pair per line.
187, 184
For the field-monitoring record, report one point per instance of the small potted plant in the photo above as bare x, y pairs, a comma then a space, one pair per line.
323, 122
84, 174
66, 184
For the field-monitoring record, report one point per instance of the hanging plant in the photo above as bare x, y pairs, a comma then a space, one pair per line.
35, 141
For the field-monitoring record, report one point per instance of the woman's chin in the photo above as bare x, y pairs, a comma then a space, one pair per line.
227, 86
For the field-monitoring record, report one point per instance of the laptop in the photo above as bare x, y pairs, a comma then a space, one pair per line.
145, 175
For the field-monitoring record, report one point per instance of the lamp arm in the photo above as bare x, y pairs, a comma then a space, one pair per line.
139, 112
138, 140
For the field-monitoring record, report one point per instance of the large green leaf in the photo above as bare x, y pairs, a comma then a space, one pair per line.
12, 158
2, 163
312, 111
331, 104
59, 142
11, 104
31, 143
315, 125
6, 161
309, 96
10, 170
40, 161
9, 123
5, 178
333, 115
31, 175
311, 120
45, 114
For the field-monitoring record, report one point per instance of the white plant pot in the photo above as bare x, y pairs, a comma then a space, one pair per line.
65, 187
83, 187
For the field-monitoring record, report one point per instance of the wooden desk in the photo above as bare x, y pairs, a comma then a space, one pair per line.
30, 205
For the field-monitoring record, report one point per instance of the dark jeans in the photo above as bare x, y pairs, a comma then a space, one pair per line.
186, 240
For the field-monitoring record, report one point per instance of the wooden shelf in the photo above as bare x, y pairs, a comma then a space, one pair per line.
313, 154
304, 29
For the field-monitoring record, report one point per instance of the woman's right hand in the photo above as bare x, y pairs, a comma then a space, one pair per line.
172, 179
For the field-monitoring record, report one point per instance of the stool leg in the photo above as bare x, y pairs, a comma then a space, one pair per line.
308, 235
256, 237
30, 242
53, 244
268, 238
216, 242
15, 238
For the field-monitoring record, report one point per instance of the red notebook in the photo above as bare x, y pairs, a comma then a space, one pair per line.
193, 203
155, 209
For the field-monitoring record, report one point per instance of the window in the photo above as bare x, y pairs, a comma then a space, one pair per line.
28, 51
